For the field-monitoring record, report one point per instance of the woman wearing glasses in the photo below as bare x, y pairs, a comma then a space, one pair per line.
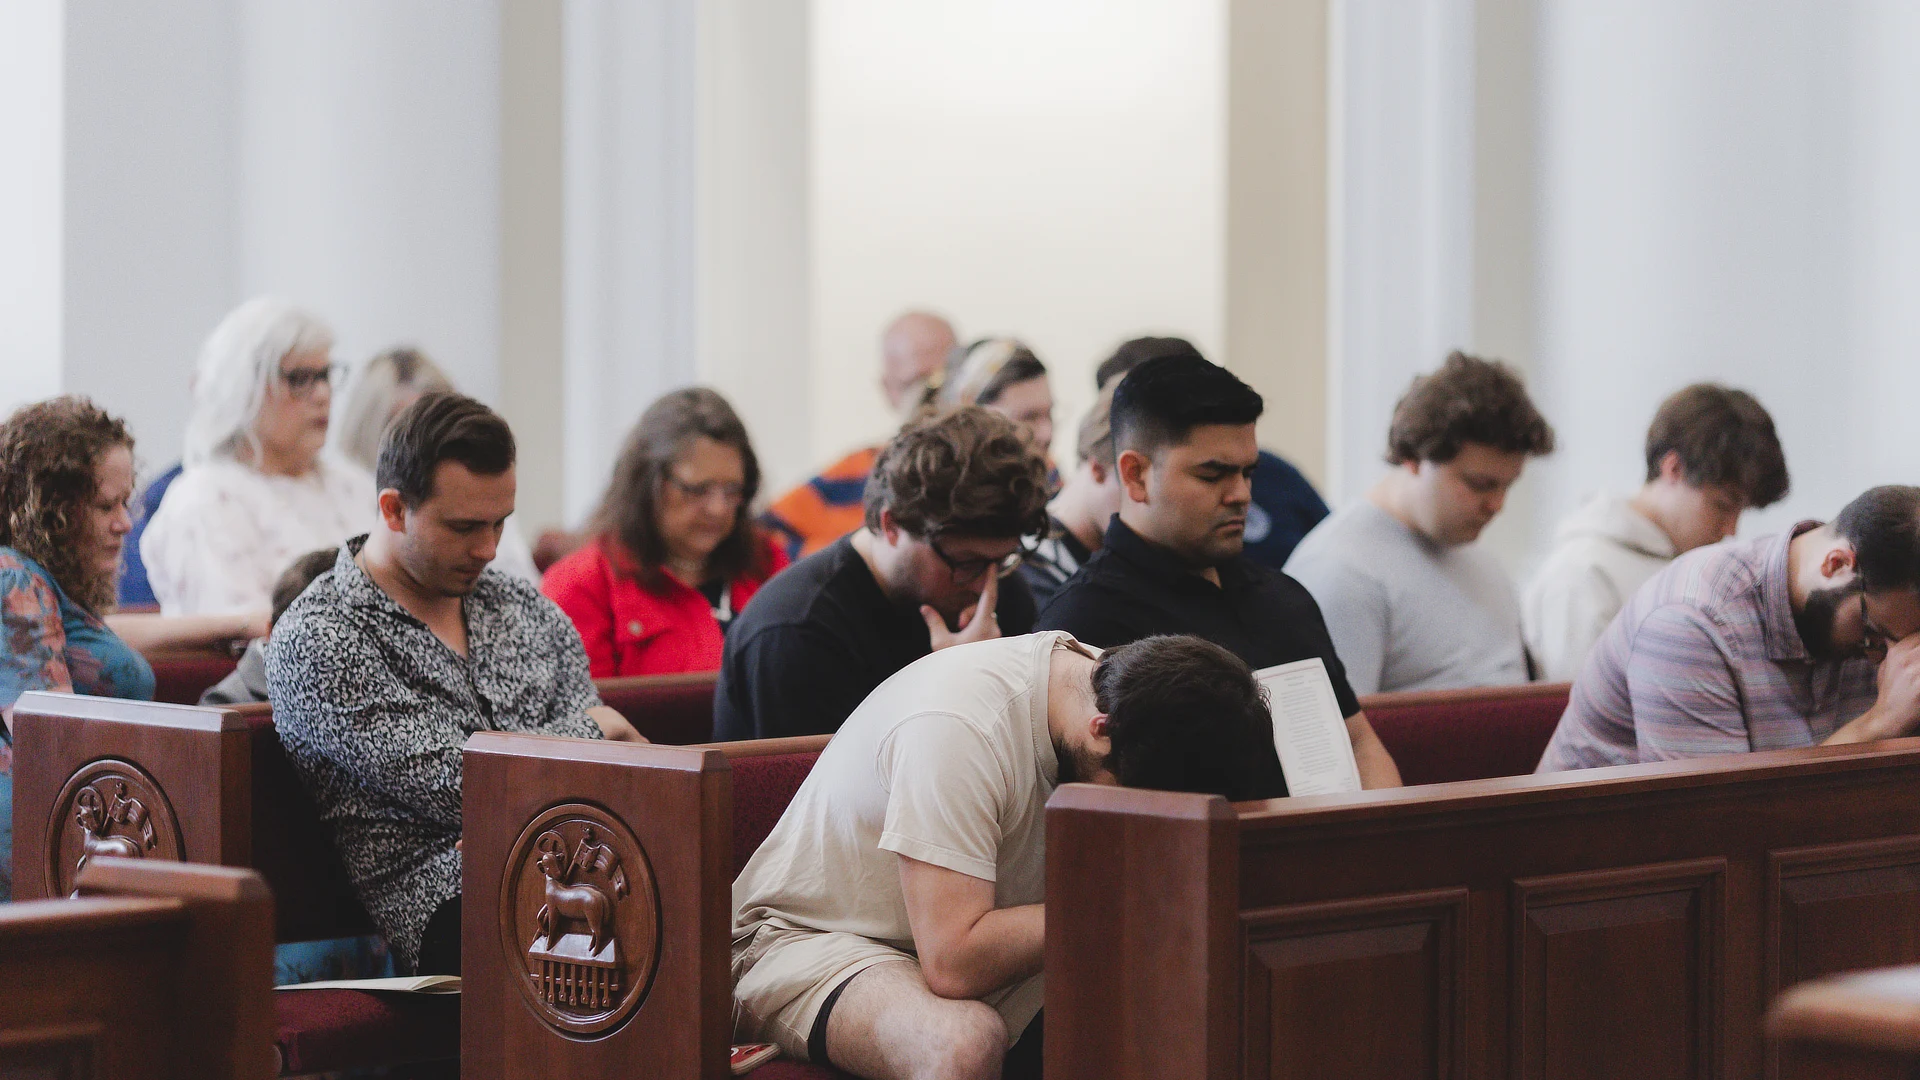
675, 553
257, 490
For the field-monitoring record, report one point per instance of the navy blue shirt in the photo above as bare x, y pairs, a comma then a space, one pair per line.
1285, 508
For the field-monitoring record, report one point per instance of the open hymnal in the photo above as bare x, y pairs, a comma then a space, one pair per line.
1308, 730
403, 984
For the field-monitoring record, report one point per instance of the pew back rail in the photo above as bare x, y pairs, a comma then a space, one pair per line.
1629, 921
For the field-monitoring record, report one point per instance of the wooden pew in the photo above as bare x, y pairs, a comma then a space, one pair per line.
595, 909
179, 678
1618, 922
1439, 736
673, 709
1862, 1026
99, 776
163, 972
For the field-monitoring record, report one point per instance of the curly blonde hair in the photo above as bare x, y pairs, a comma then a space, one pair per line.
48, 452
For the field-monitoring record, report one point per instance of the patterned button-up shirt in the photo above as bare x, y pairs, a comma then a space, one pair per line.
1706, 659
373, 710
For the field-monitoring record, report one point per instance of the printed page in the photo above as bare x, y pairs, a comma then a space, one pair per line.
405, 984
1308, 730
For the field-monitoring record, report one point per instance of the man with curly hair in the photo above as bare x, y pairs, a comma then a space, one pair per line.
1412, 602
947, 504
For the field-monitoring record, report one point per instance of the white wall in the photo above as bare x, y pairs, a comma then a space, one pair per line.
369, 172
1051, 170
31, 205
150, 232
1727, 195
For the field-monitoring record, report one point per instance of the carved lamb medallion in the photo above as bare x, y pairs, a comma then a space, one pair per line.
109, 807
580, 915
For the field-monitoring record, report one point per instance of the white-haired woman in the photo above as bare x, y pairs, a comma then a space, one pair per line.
258, 489
386, 384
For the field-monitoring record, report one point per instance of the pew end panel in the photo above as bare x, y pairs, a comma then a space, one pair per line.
1616, 922
1160, 869
99, 776
162, 971
596, 909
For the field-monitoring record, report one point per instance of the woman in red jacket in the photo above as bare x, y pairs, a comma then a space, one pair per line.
675, 553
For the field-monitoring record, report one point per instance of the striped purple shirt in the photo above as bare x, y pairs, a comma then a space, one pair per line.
1705, 659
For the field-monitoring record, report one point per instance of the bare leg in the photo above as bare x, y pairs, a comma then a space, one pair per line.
888, 1026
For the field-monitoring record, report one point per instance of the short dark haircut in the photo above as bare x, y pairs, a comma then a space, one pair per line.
1160, 402
1723, 436
1469, 400
1184, 714
968, 472
628, 515
1883, 525
442, 426
1131, 354
294, 579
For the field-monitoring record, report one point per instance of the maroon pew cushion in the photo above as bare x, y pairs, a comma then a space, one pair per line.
328, 1030
180, 680
762, 788
1467, 735
671, 709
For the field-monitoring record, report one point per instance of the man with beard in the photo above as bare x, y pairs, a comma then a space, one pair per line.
947, 504
388, 661
1173, 561
1761, 645
892, 923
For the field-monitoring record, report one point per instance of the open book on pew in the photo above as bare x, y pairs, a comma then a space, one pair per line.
1308, 730
401, 984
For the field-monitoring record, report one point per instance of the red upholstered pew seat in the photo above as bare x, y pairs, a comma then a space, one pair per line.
676, 710
1440, 736
180, 678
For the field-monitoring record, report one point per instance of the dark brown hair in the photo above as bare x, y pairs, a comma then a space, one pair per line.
1723, 436
294, 579
1469, 400
441, 426
1883, 525
967, 472
628, 516
1184, 714
48, 453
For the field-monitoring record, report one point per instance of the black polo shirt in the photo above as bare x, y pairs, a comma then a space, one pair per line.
815, 641
1131, 589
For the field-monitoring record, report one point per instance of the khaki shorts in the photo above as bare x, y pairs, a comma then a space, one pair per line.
783, 974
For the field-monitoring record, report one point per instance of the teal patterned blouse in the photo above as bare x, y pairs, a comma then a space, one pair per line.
52, 643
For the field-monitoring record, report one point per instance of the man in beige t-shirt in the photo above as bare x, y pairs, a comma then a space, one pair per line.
893, 919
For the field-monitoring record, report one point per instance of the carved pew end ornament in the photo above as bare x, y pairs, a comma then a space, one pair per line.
580, 918
109, 807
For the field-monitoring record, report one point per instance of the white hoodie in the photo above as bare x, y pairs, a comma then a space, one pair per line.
1602, 554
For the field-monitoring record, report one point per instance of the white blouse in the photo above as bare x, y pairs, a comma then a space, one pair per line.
225, 532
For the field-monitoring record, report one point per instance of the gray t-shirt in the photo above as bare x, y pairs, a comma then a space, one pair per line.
1406, 613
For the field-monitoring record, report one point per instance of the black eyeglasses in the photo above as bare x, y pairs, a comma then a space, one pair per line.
301, 381
968, 570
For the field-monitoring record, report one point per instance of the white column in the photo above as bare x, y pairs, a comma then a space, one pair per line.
752, 318
369, 172
149, 234
630, 224
1401, 215
31, 205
